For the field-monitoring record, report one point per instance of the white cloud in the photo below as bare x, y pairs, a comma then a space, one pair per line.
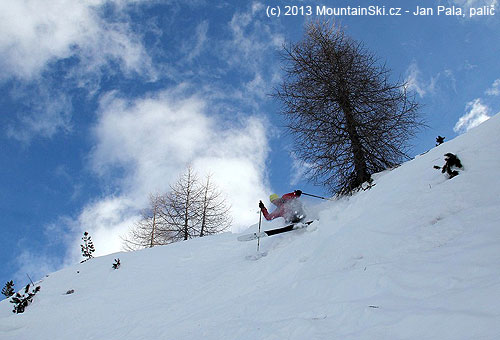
466, 4
467, 7
476, 113
494, 90
148, 136
414, 81
150, 140
37, 33
105, 220
258, 86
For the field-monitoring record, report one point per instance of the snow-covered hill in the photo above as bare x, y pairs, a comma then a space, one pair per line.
415, 257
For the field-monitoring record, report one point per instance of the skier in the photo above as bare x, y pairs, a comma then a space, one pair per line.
287, 206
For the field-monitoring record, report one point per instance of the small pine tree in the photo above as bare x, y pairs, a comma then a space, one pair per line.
21, 302
87, 247
117, 264
8, 290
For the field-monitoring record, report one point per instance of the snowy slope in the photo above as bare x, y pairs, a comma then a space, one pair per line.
415, 257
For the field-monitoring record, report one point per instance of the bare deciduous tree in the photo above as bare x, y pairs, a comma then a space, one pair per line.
190, 209
213, 210
180, 209
348, 120
148, 231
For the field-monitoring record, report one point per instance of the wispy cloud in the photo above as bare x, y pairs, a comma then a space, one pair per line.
45, 112
476, 113
469, 5
414, 81
451, 77
299, 169
466, 4
494, 90
251, 36
36, 265
195, 47
253, 45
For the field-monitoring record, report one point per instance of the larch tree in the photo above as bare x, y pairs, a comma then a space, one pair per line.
190, 209
148, 231
347, 118
214, 215
180, 209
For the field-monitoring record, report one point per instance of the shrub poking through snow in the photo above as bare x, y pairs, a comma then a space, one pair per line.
439, 140
8, 290
21, 302
87, 247
117, 264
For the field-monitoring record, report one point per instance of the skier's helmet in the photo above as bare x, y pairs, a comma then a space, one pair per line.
273, 197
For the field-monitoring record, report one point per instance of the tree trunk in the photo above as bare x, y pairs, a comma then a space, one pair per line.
360, 168
153, 227
186, 211
205, 206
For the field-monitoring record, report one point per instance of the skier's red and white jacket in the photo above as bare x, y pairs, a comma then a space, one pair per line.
281, 207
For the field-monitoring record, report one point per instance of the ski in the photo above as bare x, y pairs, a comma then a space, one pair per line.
290, 227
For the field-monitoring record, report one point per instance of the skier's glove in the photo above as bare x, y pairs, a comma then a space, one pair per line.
298, 193
261, 205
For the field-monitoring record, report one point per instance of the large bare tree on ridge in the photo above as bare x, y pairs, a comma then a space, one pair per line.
347, 118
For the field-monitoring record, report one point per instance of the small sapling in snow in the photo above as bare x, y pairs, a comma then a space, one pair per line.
87, 247
21, 302
8, 290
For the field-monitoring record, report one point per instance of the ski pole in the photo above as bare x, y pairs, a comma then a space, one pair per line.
258, 239
30, 279
323, 198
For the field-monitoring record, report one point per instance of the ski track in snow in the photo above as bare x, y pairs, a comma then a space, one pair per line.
415, 257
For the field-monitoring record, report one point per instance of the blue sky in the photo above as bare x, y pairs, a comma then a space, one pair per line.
104, 102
